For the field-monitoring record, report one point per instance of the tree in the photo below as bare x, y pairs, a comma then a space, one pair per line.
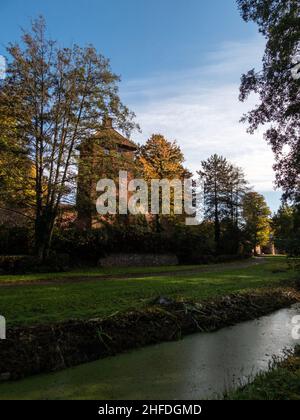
162, 159
214, 172
256, 216
236, 187
286, 228
16, 170
57, 98
277, 85
224, 187
283, 222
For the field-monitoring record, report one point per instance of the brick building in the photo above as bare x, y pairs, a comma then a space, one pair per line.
102, 156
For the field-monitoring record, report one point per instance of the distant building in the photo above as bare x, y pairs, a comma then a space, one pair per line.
102, 156
268, 249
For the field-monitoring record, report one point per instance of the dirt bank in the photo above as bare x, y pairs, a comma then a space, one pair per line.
48, 348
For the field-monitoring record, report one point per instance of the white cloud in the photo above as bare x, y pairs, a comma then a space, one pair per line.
2, 67
200, 109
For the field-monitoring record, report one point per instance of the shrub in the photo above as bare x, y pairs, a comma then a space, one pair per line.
194, 244
293, 245
82, 246
14, 264
89, 246
191, 244
15, 240
17, 264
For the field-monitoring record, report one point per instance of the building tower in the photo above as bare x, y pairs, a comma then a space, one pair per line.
102, 156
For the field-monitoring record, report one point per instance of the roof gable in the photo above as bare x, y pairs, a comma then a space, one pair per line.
115, 136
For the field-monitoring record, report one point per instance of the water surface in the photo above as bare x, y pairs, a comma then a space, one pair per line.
200, 366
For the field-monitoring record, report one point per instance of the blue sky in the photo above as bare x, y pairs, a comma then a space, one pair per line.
180, 62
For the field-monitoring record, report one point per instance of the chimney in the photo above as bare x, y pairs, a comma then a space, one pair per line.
107, 122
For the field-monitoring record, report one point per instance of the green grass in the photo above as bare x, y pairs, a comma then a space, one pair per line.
282, 382
32, 304
93, 272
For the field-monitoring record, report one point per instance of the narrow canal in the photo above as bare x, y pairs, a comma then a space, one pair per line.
200, 366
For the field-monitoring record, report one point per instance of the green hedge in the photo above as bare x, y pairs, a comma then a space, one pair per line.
15, 241
22, 264
190, 244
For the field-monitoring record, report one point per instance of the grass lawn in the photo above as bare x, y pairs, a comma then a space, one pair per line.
93, 272
31, 304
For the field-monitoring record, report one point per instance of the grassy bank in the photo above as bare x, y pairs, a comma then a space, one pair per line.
32, 304
59, 346
282, 382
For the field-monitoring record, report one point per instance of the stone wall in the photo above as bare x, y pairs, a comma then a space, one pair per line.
138, 260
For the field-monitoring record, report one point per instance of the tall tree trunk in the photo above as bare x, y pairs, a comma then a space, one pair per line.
43, 234
255, 245
158, 224
217, 220
217, 232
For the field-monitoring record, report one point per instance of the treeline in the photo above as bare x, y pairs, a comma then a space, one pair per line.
236, 219
286, 229
277, 85
51, 101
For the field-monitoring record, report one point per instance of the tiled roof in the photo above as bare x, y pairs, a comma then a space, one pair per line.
112, 134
